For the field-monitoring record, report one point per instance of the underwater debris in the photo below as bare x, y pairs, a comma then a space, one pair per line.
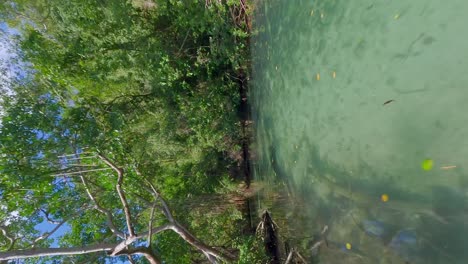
320, 241
448, 167
389, 101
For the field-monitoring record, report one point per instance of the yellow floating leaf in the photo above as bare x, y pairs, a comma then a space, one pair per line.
318, 76
427, 164
334, 75
384, 198
348, 246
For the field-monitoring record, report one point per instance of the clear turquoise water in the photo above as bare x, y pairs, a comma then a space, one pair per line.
325, 140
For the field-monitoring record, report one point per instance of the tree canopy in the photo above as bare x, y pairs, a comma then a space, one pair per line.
120, 108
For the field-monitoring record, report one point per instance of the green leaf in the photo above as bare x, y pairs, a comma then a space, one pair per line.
427, 164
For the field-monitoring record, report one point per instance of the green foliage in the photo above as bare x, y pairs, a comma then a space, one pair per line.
251, 250
150, 83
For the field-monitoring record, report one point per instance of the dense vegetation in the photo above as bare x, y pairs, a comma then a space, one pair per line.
152, 86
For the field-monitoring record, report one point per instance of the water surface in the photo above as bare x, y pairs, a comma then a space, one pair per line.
350, 97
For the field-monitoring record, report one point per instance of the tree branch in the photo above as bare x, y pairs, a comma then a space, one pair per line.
46, 214
59, 224
150, 225
120, 173
11, 239
47, 252
208, 251
124, 244
157, 197
149, 255
110, 222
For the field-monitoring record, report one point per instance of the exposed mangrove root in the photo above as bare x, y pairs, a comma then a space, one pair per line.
267, 229
295, 257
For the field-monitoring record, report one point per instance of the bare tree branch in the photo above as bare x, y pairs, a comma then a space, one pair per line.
47, 252
130, 259
124, 244
120, 173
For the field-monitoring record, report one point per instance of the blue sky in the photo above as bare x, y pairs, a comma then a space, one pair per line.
5, 36
6, 56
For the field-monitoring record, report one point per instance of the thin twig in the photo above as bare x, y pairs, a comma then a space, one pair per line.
77, 172
46, 214
57, 223
110, 222
48, 234
74, 155
150, 225
5, 234
183, 42
130, 259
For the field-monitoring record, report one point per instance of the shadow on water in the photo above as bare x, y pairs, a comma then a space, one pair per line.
331, 196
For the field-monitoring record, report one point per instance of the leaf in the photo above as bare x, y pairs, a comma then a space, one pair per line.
427, 164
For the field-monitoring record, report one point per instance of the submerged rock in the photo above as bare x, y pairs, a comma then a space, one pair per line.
374, 228
405, 244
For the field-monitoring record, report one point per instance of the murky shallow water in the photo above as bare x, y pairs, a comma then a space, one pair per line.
330, 147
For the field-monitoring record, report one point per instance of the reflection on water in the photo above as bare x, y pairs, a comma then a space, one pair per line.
351, 100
